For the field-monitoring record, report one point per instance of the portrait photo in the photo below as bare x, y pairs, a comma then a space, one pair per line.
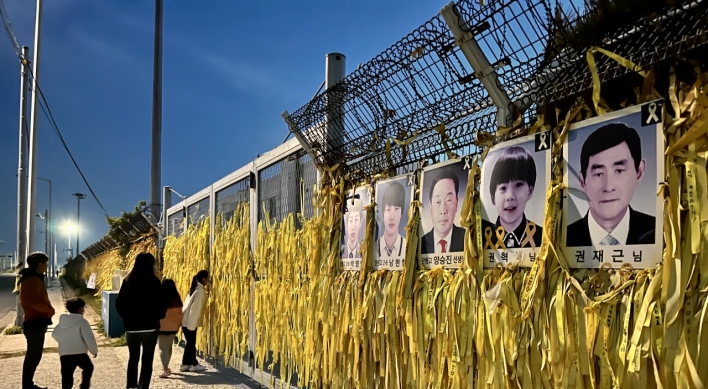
442, 192
613, 167
514, 179
354, 227
393, 200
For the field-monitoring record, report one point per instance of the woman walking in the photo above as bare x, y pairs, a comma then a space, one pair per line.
141, 306
192, 318
169, 326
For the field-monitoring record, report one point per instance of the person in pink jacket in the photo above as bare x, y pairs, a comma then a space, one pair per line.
170, 325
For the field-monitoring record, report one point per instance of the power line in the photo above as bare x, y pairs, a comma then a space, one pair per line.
48, 114
8, 28
43, 102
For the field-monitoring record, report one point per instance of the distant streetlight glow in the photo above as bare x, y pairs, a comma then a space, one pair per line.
69, 227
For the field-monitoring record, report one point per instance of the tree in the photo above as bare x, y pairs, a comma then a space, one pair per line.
117, 232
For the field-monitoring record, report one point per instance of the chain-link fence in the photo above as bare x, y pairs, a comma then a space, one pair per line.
420, 100
136, 226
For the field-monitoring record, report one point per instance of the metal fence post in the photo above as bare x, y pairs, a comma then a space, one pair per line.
254, 238
212, 225
483, 70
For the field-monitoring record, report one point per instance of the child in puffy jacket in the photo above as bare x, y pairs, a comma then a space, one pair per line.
170, 325
75, 339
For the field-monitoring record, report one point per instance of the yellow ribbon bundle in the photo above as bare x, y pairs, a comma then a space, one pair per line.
183, 257
232, 273
106, 264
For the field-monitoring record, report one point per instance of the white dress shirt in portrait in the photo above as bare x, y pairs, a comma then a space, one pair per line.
398, 249
598, 234
438, 238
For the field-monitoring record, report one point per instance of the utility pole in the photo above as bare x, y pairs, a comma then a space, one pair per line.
155, 165
32, 183
21, 253
21, 165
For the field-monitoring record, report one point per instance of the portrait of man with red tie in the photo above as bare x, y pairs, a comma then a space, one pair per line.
442, 204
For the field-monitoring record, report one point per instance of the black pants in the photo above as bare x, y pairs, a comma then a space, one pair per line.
136, 340
189, 358
69, 363
35, 347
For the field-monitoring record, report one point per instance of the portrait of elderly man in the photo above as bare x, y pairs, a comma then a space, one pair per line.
392, 208
445, 237
352, 226
611, 169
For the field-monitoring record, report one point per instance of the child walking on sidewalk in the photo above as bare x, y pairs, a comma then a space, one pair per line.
75, 339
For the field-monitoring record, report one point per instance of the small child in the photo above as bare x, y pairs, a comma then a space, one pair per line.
75, 338
511, 186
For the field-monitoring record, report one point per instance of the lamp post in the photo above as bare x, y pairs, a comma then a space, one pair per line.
50, 230
68, 227
45, 217
46, 244
79, 197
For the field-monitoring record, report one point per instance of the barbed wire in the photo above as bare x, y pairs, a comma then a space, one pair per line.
403, 98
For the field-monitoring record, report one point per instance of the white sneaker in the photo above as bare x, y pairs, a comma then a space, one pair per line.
184, 368
197, 368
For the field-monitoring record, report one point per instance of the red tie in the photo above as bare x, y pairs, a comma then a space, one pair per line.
443, 244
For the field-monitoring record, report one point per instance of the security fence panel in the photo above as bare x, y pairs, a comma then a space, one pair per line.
175, 224
278, 190
268, 191
287, 187
307, 178
197, 211
228, 199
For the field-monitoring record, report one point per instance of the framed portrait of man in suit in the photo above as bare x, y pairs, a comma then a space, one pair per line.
613, 166
354, 227
442, 240
393, 201
515, 175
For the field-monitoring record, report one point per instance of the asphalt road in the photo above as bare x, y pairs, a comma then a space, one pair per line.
7, 299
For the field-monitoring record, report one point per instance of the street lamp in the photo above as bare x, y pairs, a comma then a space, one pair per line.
46, 243
45, 217
79, 197
50, 230
69, 228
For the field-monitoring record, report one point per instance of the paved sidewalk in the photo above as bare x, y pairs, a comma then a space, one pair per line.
110, 371
10, 344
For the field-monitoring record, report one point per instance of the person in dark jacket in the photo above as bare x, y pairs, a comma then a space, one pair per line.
38, 312
141, 306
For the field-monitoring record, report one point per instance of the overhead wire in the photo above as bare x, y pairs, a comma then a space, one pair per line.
8, 28
48, 114
43, 103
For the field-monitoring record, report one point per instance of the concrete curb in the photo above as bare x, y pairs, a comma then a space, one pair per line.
13, 316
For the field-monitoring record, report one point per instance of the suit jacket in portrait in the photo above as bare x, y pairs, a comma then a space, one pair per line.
357, 251
457, 244
641, 230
